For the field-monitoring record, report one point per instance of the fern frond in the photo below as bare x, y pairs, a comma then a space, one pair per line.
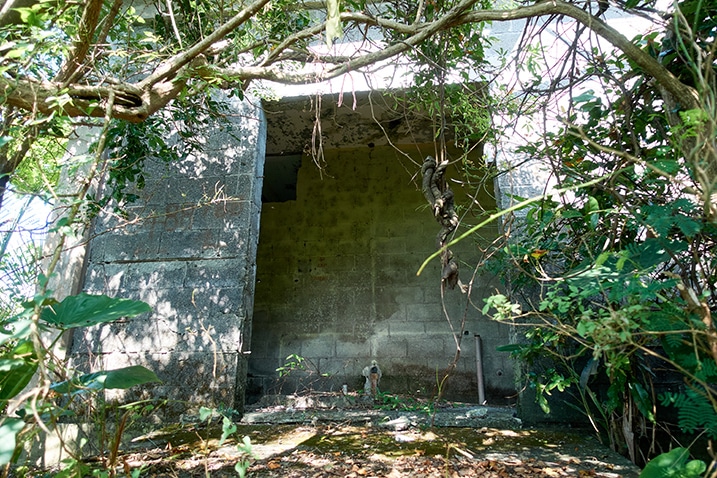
694, 411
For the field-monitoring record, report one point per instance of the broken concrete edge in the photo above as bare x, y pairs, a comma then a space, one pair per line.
466, 417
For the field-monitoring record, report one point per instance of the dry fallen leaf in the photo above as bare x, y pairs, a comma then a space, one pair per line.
549, 472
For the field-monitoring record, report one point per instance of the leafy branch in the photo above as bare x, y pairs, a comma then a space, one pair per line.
135, 101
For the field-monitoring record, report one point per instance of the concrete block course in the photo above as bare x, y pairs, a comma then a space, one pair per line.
125, 247
192, 258
188, 368
215, 273
358, 231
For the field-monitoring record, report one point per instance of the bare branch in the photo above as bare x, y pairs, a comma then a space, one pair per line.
687, 96
170, 67
88, 25
109, 21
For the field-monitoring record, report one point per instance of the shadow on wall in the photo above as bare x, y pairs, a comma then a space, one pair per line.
192, 350
337, 284
187, 248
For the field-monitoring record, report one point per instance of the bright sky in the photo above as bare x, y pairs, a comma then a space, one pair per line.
20, 223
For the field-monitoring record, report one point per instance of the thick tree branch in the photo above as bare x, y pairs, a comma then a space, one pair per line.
83, 42
135, 102
131, 104
109, 20
169, 68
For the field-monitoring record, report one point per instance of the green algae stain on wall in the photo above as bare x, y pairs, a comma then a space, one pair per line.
336, 276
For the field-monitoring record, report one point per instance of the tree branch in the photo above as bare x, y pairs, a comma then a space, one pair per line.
687, 96
419, 33
170, 67
130, 103
135, 102
88, 25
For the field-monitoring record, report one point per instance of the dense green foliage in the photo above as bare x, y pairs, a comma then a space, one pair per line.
25, 357
617, 280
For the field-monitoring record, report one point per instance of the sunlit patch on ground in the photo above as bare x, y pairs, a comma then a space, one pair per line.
372, 451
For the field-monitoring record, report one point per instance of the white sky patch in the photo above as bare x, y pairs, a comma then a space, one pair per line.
23, 221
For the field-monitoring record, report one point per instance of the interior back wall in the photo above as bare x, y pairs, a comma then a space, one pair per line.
337, 285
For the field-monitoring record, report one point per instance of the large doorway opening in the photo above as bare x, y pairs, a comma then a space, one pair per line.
342, 237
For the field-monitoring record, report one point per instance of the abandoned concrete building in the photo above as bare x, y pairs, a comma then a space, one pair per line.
256, 253
251, 254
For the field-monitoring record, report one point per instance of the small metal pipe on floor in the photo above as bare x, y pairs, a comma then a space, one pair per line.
479, 370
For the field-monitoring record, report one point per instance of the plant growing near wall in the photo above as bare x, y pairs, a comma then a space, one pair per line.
36, 391
388, 401
229, 428
299, 368
615, 272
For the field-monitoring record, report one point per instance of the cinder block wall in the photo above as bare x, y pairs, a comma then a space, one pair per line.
337, 285
190, 254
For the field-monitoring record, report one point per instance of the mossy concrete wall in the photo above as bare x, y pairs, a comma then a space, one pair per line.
337, 283
188, 250
331, 276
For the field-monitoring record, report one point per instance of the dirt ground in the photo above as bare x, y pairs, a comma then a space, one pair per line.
329, 441
341, 450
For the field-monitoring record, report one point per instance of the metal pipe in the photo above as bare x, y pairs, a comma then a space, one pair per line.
479, 370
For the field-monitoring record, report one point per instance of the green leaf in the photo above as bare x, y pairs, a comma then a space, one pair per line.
241, 467
121, 378
228, 428
86, 309
8, 432
673, 464
591, 212
205, 413
543, 403
655, 251
687, 225
19, 367
585, 328
583, 97
29, 16
602, 258
642, 400
669, 166
7, 365
694, 117
20, 330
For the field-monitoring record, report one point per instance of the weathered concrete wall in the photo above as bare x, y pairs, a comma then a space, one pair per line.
190, 255
336, 281
337, 284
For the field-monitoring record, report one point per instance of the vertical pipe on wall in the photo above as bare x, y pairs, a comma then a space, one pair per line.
479, 370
